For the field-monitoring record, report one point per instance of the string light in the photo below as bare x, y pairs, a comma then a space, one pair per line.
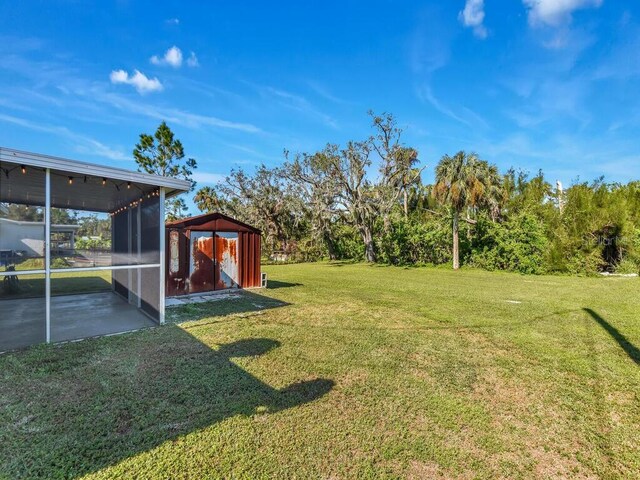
134, 203
23, 168
128, 185
70, 180
104, 182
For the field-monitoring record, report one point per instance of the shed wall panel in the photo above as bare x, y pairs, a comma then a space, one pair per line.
248, 248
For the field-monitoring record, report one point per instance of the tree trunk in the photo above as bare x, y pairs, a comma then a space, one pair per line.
456, 240
331, 247
406, 203
369, 250
386, 223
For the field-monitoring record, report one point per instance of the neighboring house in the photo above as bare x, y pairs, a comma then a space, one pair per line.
28, 237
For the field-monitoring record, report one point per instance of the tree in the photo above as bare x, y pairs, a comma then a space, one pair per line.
362, 201
162, 154
207, 200
63, 216
265, 199
357, 199
464, 182
319, 190
14, 211
408, 174
397, 164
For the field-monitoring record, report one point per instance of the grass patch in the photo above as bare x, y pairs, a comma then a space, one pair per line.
345, 371
66, 283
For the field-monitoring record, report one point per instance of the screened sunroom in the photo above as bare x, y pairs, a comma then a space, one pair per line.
81, 249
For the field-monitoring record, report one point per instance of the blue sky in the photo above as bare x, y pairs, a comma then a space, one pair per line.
533, 84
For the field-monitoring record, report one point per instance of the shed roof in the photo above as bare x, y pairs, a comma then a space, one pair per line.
212, 221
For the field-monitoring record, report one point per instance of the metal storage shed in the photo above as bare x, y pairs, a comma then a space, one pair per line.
211, 252
53, 296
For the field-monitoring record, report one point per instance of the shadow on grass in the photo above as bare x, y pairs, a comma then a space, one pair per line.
244, 302
343, 263
93, 405
630, 349
275, 284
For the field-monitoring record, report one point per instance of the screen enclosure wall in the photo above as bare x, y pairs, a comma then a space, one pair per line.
65, 236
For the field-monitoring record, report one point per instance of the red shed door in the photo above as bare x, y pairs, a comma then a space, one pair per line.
226, 264
201, 262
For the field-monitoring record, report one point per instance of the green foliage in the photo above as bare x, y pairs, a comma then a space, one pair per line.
27, 213
518, 244
59, 262
93, 226
627, 266
349, 245
93, 244
585, 263
466, 183
366, 200
63, 216
162, 154
416, 242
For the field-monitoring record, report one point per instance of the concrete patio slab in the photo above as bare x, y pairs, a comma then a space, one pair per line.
22, 321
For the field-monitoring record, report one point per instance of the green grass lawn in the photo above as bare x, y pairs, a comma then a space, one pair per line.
65, 283
345, 371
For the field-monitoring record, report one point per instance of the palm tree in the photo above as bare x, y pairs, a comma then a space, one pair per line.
465, 182
408, 174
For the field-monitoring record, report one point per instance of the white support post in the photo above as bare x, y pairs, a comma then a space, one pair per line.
47, 254
130, 289
139, 257
162, 259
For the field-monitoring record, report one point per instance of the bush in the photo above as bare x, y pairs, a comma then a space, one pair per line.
349, 244
586, 263
626, 266
59, 262
518, 245
411, 242
92, 244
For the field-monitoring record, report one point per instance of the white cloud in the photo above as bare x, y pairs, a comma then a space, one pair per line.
172, 21
555, 12
138, 80
473, 16
172, 57
192, 61
425, 94
171, 115
430, 44
295, 102
93, 147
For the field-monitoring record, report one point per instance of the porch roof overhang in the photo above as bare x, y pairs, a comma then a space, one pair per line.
92, 187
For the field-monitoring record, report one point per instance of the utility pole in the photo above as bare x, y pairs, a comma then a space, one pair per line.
559, 194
